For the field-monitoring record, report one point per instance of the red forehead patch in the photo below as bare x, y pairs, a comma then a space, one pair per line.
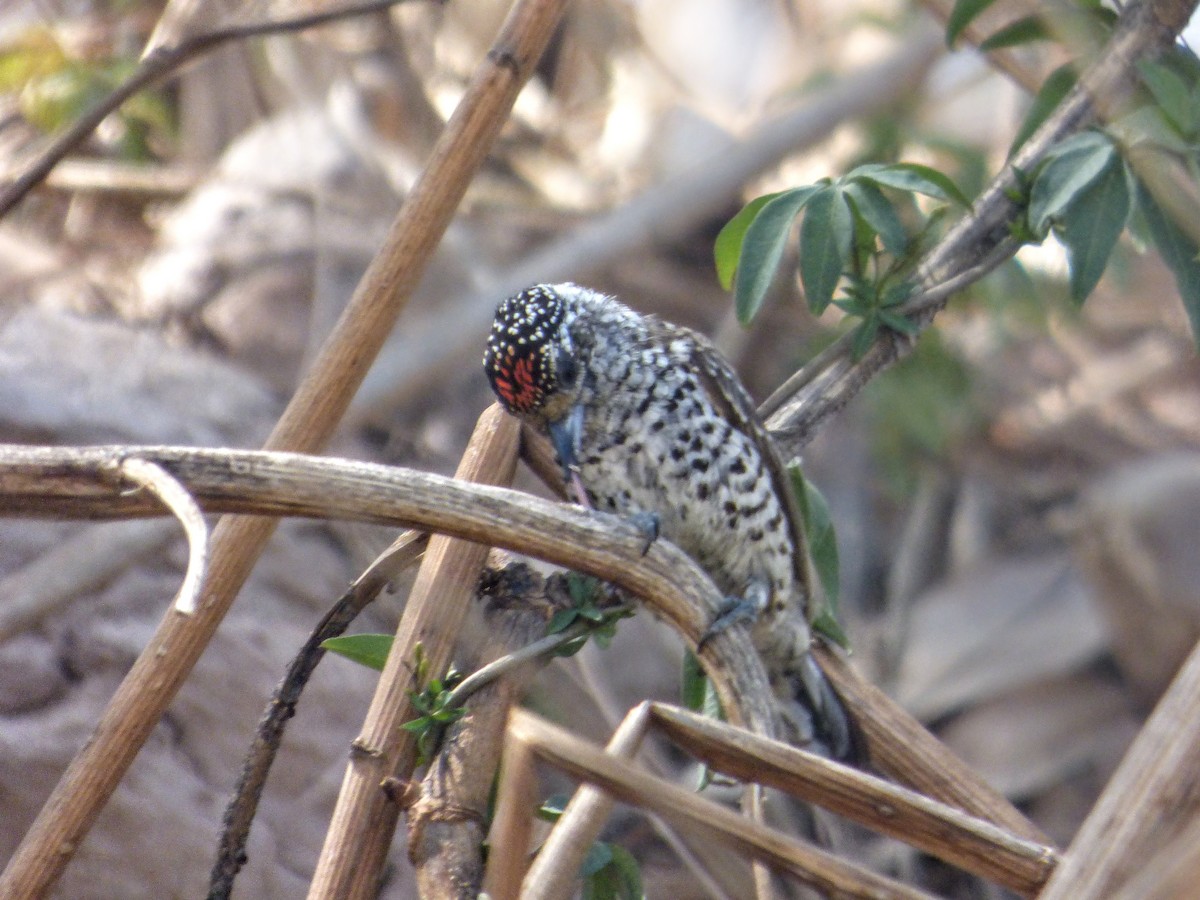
516, 383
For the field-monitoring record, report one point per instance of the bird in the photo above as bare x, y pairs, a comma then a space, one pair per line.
649, 422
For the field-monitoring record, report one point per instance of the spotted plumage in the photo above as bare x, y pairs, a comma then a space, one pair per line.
651, 420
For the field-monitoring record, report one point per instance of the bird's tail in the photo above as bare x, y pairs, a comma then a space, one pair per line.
833, 728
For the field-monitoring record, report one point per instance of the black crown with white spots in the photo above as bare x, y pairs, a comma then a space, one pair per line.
520, 359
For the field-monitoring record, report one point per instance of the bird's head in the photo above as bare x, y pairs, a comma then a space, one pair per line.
533, 365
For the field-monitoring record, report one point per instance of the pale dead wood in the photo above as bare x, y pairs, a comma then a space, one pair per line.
1171, 873
364, 818
110, 176
512, 826
972, 844
305, 426
243, 805
446, 824
555, 869
175, 497
1151, 798
902, 748
530, 736
72, 482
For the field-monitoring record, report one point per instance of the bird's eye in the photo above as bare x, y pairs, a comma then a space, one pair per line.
567, 370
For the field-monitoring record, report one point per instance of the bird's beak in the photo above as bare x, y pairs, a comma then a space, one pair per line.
565, 434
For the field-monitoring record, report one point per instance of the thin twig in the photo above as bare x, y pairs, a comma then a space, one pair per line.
160, 63
243, 805
918, 303
539, 649
972, 844
530, 736
556, 867
175, 497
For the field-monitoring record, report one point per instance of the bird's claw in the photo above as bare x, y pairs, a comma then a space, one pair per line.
737, 609
647, 523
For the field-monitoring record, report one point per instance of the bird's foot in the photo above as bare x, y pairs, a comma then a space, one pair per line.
647, 523
736, 610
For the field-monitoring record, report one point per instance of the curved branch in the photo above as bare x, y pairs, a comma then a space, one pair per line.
176, 498
51, 482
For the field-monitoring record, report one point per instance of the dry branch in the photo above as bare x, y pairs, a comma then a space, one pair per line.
365, 816
446, 824
239, 814
972, 844
1151, 798
178, 501
555, 869
1171, 873
529, 736
306, 426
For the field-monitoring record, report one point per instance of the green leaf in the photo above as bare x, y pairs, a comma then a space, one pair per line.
728, 246
561, 620
762, 248
1170, 93
963, 14
370, 650
1022, 31
825, 236
627, 874
823, 553
1179, 253
864, 336
584, 589
570, 648
877, 211
1091, 226
1075, 164
552, 807
899, 323
1056, 86
591, 613
598, 856
693, 682
918, 179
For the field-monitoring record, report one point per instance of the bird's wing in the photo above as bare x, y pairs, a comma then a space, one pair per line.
732, 402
